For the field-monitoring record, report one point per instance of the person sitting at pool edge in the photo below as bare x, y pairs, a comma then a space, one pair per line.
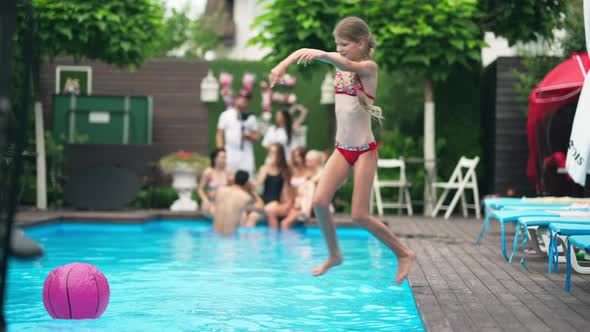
232, 201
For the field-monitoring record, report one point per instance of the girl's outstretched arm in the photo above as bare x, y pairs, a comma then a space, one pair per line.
306, 55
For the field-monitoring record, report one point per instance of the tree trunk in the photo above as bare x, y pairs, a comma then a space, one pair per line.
429, 147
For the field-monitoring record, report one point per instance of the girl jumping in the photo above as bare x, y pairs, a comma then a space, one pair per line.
355, 88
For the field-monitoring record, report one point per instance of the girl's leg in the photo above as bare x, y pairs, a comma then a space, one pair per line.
307, 191
206, 207
211, 209
252, 218
290, 219
333, 174
363, 181
272, 212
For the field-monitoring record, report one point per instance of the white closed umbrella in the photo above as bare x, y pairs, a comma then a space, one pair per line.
578, 153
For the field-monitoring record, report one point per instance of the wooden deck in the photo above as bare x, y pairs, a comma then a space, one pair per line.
461, 287
457, 285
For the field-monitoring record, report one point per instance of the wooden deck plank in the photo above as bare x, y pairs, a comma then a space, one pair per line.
511, 302
474, 309
505, 286
430, 310
499, 312
547, 292
512, 297
450, 304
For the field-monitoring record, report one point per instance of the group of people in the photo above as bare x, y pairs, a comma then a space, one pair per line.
356, 149
238, 130
280, 190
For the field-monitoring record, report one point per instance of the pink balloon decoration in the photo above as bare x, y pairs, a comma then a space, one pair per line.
76, 291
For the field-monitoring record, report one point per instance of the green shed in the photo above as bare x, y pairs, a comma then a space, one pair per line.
103, 119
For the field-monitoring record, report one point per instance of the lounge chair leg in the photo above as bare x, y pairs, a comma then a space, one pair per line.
553, 253
515, 244
523, 259
532, 233
484, 228
503, 236
568, 271
550, 253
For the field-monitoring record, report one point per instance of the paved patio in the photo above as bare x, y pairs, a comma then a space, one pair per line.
457, 285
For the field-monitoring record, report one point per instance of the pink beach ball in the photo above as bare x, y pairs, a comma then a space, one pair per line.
76, 291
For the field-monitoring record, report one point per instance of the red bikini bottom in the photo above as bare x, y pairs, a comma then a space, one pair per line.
352, 153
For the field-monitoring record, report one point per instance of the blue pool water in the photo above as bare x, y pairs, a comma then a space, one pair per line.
181, 276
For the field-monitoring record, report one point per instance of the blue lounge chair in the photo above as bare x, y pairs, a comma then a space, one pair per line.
510, 216
579, 241
494, 204
531, 208
525, 222
567, 230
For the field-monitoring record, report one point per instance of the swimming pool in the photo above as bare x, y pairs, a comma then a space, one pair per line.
181, 276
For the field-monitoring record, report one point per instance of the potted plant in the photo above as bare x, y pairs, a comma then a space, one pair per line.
185, 168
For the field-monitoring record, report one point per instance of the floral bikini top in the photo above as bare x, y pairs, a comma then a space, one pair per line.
350, 85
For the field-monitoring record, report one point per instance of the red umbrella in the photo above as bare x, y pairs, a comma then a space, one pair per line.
561, 86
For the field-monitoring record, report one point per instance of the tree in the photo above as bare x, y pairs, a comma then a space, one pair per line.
118, 32
204, 36
187, 37
522, 20
536, 67
574, 40
174, 32
428, 37
113, 31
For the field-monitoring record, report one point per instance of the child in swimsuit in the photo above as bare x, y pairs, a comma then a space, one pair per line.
355, 88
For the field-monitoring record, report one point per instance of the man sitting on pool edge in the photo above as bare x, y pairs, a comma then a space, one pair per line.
232, 202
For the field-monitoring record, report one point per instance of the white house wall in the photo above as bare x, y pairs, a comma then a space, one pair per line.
245, 11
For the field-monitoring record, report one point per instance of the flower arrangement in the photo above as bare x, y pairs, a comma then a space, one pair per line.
187, 161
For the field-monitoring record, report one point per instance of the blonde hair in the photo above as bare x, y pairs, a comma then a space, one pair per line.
356, 30
316, 155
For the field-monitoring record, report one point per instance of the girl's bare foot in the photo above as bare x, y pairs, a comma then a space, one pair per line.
331, 261
404, 263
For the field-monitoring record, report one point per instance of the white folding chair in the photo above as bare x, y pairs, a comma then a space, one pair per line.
459, 181
404, 201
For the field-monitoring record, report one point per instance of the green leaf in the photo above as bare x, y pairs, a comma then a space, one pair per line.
126, 46
399, 30
458, 44
412, 42
65, 31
